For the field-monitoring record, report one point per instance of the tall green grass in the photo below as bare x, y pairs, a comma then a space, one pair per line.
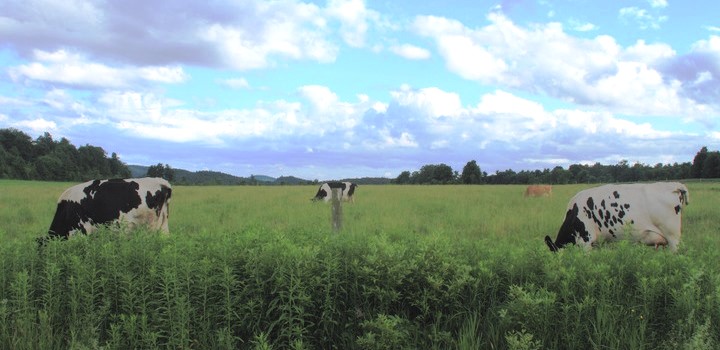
431, 267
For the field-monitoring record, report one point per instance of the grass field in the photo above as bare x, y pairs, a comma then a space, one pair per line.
415, 267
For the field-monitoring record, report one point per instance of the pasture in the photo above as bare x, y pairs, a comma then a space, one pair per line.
415, 267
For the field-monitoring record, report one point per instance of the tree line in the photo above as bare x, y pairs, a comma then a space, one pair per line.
21, 157
706, 164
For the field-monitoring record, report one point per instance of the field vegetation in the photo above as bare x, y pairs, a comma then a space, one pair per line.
415, 267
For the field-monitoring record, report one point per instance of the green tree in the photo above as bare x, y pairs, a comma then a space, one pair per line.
471, 173
711, 166
118, 169
160, 170
435, 174
17, 142
403, 178
93, 162
698, 163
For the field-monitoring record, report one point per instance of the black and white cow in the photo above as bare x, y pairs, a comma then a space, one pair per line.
136, 202
647, 213
346, 193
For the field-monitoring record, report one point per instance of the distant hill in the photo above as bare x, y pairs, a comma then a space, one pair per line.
206, 177
369, 180
263, 178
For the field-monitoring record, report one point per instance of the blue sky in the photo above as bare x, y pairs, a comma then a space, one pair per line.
351, 88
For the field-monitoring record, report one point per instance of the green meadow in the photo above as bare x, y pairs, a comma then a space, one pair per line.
414, 267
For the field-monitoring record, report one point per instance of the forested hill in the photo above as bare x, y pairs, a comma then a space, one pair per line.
46, 159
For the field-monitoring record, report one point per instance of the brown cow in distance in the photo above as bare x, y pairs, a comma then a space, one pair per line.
538, 191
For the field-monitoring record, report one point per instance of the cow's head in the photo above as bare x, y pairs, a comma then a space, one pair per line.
572, 228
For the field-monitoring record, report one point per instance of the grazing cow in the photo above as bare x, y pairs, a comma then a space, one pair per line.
648, 213
137, 202
538, 190
347, 190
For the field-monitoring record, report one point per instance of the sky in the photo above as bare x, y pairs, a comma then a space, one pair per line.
363, 88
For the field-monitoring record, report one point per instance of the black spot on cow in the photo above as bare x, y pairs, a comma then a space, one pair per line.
614, 204
590, 203
616, 194
571, 227
602, 204
626, 205
677, 209
158, 199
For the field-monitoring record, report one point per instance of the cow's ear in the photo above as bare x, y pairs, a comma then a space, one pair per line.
550, 244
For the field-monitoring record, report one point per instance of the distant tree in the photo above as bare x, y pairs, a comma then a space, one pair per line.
711, 166
44, 144
471, 173
160, 170
93, 163
17, 142
444, 174
434, 174
403, 178
118, 169
699, 163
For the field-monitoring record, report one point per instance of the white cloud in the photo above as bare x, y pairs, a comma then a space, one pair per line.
658, 3
642, 17
584, 27
37, 125
431, 101
69, 68
535, 59
354, 18
410, 52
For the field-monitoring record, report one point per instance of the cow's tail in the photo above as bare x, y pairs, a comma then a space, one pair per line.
550, 244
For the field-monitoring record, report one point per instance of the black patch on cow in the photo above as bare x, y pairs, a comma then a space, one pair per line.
158, 199
590, 203
103, 203
351, 192
616, 194
614, 204
677, 209
626, 205
321, 193
602, 204
571, 227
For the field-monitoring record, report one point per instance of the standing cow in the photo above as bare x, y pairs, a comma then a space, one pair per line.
538, 191
347, 190
651, 213
137, 202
